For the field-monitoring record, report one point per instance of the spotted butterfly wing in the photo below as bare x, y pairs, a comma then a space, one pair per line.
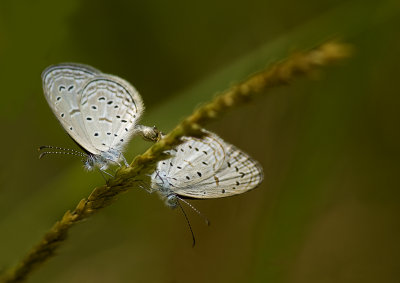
195, 158
62, 85
110, 108
238, 174
97, 110
207, 168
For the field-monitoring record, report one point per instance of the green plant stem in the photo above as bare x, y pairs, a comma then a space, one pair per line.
278, 74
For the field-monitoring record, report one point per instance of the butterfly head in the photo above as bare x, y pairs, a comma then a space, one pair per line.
171, 200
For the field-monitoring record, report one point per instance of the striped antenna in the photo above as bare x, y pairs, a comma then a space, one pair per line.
196, 210
59, 148
61, 152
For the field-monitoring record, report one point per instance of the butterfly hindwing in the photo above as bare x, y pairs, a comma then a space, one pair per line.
239, 173
111, 107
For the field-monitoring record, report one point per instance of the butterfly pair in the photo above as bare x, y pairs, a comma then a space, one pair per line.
100, 112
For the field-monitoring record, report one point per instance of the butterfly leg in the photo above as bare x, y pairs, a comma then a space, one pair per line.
123, 159
104, 168
143, 185
105, 172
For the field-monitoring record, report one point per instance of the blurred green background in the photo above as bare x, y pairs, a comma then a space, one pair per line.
328, 208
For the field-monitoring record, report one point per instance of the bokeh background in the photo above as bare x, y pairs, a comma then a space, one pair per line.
328, 210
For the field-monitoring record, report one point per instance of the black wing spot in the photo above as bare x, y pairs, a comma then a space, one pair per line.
163, 163
121, 140
190, 147
58, 98
94, 107
170, 164
62, 115
88, 118
233, 188
124, 121
223, 191
116, 106
115, 135
108, 134
103, 143
71, 88
174, 179
96, 134
126, 129
196, 149
182, 150
118, 116
134, 116
237, 183
187, 177
198, 173
205, 163
102, 98
110, 102
205, 152
229, 164
242, 174
70, 128
61, 87
179, 167
237, 169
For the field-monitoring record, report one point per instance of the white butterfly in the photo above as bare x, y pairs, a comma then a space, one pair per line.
99, 111
204, 168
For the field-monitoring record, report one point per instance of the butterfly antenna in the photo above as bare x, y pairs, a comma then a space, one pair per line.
187, 221
197, 211
59, 148
60, 152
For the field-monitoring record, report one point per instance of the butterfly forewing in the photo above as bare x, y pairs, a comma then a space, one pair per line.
110, 107
194, 160
62, 85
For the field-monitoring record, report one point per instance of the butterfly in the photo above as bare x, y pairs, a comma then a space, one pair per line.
205, 168
99, 112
